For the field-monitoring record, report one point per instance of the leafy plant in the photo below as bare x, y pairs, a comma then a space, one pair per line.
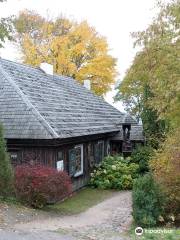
5, 29
156, 65
6, 173
39, 185
148, 201
141, 155
114, 173
166, 168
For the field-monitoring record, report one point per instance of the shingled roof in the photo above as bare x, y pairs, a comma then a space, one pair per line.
35, 105
136, 134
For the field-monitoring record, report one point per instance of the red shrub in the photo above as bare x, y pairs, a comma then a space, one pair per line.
39, 185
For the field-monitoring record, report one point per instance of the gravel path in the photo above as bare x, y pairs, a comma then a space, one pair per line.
22, 235
108, 220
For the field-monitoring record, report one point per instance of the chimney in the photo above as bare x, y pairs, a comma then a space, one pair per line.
46, 68
87, 84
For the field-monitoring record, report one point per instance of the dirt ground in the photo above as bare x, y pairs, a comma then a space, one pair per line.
108, 220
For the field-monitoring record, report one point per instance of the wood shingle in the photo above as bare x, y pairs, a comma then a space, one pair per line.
34, 105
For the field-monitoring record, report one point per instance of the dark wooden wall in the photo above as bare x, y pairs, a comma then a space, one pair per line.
48, 155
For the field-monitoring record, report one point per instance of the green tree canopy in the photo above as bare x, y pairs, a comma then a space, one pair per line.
157, 66
5, 29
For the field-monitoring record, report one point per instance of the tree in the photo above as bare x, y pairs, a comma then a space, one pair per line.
6, 175
153, 127
148, 201
156, 66
166, 169
5, 29
152, 87
136, 96
130, 90
74, 49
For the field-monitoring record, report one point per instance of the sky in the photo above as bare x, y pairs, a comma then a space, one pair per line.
114, 19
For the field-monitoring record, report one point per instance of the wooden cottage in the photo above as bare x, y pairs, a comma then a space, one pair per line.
54, 120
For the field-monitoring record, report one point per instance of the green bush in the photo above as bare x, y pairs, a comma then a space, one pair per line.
114, 173
141, 155
6, 173
148, 201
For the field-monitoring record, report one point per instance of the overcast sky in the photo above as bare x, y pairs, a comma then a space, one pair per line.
115, 19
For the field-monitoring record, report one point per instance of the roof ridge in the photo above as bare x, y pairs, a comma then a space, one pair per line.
31, 107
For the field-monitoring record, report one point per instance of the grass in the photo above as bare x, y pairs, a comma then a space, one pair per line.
9, 200
156, 233
80, 201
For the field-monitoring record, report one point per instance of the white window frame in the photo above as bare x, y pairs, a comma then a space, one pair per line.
82, 160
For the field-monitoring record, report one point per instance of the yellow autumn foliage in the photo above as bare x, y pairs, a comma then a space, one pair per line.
74, 49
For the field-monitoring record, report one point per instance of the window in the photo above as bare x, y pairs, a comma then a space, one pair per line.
91, 154
60, 161
76, 161
108, 148
99, 151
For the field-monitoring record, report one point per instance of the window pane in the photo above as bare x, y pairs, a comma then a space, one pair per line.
76, 161
72, 160
99, 151
91, 154
96, 153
